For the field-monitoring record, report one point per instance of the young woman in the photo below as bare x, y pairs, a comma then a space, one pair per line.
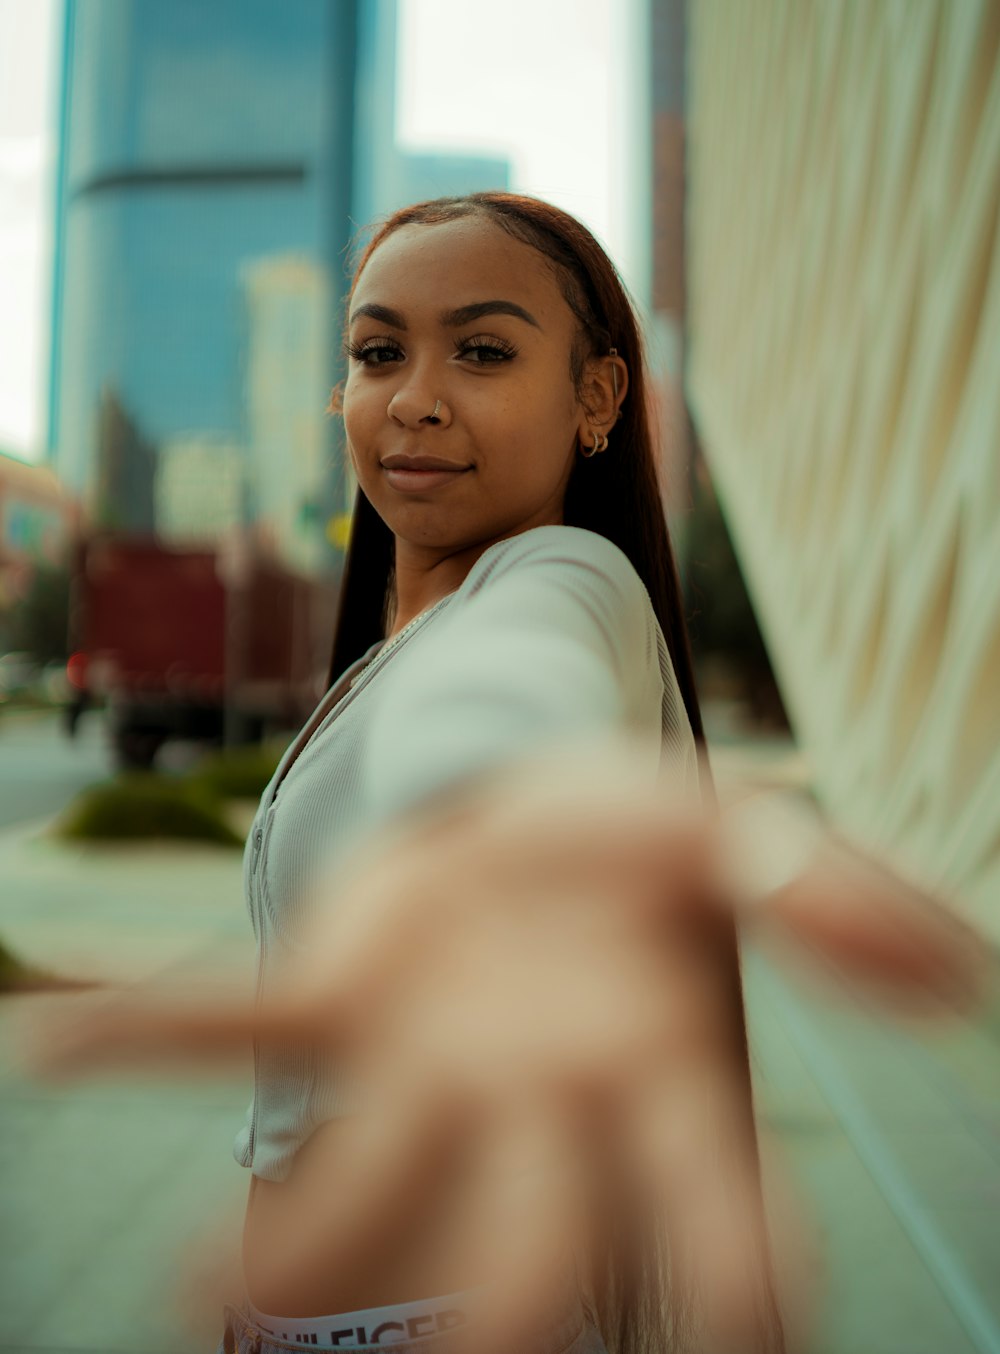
516, 1017
509, 588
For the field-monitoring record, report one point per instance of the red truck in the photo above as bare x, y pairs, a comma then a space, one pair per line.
196, 644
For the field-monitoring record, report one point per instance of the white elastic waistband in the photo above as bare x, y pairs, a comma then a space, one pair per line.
406, 1321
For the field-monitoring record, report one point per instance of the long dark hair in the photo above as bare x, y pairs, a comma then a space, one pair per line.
618, 496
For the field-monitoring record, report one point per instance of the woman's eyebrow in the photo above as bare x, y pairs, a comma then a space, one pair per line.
451, 319
383, 314
454, 319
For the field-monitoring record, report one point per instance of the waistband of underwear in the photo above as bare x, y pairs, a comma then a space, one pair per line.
401, 1322
432, 1323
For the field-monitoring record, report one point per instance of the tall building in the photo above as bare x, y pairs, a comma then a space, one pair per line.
200, 491
200, 143
844, 326
287, 303
215, 162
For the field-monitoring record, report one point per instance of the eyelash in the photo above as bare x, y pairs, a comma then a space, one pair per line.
362, 352
501, 350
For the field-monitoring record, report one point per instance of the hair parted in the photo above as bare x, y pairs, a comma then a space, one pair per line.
618, 496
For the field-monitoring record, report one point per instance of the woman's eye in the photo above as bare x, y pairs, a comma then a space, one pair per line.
485, 349
375, 352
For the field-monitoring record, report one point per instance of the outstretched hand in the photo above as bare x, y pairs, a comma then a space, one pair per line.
531, 986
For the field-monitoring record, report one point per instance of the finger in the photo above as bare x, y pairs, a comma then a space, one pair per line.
367, 929
532, 1243
877, 930
593, 815
370, 1189
786, 874
159, 1031
694, 1167
132, 1028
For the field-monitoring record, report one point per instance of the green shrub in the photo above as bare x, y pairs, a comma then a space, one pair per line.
16, 976
237, 773
142, 805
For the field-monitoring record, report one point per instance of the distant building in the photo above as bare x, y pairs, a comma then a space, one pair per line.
216, 160
844, 323
200, 490
120, 491
393, 178
288, 303
425, 176
36, 519
197, 140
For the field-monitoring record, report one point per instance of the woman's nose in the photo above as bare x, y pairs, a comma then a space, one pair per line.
414, 405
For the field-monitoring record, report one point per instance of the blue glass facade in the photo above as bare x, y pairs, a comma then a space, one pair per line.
216, 157
202, 144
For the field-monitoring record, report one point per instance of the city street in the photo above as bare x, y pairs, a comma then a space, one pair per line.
109, 1185
41, 768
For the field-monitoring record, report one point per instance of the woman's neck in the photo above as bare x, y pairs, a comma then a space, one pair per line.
423, 577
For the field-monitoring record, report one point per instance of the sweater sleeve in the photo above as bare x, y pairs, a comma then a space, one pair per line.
551, 638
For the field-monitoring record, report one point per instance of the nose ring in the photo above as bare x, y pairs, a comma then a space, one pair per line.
435, 411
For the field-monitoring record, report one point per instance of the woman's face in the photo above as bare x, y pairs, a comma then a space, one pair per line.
463, 314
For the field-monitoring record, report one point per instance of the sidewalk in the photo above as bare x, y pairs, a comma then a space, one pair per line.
107, 1183
890, 1137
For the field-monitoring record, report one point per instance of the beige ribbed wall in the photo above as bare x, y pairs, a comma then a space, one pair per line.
844, 375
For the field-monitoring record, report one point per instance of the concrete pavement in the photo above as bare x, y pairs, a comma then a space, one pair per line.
107, 1185
41, 768
890, 1137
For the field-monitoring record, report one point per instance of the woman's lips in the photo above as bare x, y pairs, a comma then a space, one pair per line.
409, 479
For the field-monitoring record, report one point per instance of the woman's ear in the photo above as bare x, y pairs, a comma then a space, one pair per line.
605, 384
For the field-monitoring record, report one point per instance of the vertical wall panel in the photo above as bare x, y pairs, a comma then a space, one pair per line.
844, 372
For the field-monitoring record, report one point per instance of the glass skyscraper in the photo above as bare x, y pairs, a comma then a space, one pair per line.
203, 216
215, 159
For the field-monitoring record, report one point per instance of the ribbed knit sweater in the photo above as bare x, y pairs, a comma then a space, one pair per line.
550, 638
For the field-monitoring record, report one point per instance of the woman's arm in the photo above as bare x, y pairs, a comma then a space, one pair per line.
524, 976
551, 640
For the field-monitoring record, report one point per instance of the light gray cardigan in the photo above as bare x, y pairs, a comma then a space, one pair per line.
552, 636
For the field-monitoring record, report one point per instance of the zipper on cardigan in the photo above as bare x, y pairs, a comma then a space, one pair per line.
361, 679
258, 839
259, 989
397, 641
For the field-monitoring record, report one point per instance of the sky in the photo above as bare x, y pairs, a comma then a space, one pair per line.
557, 96
27, 98
545, 99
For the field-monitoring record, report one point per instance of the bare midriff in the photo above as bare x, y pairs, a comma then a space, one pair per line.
422, 1252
